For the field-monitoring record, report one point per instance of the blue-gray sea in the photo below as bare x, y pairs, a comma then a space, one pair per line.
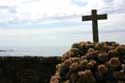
46, 52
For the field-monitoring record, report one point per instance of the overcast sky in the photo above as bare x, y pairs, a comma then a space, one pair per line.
40, 23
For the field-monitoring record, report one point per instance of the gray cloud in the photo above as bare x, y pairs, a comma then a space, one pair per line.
112, 10
79, 2
29, 1
113, 6
108, 1
20, 15
4, 7
9, 8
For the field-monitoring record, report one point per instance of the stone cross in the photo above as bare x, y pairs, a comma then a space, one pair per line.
94, 17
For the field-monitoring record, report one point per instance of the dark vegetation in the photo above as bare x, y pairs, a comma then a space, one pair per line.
27, 69
88, 62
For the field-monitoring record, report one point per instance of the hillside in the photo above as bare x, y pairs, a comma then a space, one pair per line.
27, 69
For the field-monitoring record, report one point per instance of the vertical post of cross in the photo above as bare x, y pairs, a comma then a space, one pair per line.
95, 26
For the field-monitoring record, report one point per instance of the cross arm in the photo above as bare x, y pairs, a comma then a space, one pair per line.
86, 18
102, 16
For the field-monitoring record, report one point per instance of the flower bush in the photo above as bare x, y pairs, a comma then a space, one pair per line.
88, 62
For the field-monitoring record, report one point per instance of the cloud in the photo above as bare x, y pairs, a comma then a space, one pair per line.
8, 9
40, 11
43, 9
40, 37
4, 7
79, 2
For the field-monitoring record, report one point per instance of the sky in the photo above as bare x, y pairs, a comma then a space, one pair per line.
58, 23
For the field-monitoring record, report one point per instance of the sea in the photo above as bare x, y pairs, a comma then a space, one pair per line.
45, 52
